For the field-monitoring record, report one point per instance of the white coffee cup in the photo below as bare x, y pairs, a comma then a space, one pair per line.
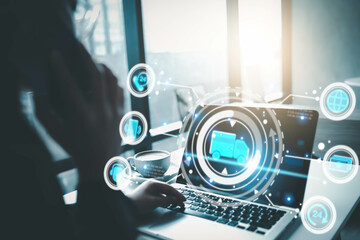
152, 163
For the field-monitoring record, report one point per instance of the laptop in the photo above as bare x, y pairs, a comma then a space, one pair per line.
227, 195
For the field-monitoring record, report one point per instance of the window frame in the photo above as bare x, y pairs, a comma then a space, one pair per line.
134, 36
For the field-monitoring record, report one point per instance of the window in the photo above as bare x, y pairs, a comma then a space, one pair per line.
260, 46
186, 45
100, 26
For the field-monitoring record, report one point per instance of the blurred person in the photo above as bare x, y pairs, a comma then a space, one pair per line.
80, 105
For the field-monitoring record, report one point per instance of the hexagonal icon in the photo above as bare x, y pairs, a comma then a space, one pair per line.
225, 144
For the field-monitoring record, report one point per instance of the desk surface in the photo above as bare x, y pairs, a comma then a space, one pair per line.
345, 132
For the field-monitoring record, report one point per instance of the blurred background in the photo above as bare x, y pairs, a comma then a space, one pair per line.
270, 47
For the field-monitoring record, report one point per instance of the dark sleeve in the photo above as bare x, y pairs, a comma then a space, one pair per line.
104, 212
34, 207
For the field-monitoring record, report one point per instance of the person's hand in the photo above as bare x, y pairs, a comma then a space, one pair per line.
87, 126
152, 194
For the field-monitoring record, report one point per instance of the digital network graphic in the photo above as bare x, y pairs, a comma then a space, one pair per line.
141, 80
234, 151
240, 151
133, 128
341, 164
318, 215
224, 144
117, 173
337, 101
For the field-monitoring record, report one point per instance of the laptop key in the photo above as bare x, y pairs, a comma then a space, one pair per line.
194, 207
245, 220
211, 207
222, 220
210, 211
251, 228
233, 223
236, 213
219, 209
215, 198
227, 216
252, 214
262, 225
201, 210
199, 214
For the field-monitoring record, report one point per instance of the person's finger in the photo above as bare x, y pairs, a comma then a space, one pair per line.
72, 96
168, 190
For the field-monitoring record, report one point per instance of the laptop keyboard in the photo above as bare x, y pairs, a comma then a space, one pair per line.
252, 217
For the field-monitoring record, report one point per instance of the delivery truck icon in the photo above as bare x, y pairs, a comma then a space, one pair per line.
225, 144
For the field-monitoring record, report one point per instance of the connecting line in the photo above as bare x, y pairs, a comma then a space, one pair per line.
299, 96
173, 178
182, 86
162, 133
303, 158
272, 204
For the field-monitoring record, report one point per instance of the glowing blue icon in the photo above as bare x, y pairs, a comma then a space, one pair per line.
340, 163
226, 145
338, 101
140, 81
318, 215
132, 128
115, 170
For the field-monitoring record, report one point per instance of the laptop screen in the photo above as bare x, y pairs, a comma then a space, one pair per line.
252, 153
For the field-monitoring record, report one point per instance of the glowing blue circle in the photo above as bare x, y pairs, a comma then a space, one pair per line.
338, 101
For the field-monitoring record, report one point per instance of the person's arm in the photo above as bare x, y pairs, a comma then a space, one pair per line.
89, 134
105, 213
87, 128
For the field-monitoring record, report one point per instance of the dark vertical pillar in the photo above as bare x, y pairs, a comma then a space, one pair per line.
136, 54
